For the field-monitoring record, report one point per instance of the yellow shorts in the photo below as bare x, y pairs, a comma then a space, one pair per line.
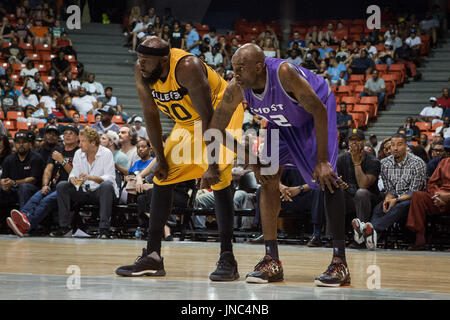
185, 152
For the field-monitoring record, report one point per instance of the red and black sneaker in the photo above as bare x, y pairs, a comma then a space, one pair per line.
20, 219
267, 270
336, 275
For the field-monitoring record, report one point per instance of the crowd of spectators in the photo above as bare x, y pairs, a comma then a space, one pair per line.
64, 158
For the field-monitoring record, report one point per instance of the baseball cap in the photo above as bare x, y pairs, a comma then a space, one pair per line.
447, 143
23, 135
372, 136
70, 127
357, 132
113, 136
433, 99
138, 119
51, 128
51, 116
107, 109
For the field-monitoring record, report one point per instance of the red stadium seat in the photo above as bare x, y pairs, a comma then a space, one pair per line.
350, 101
42, 68
6, 45
2, 115
117, 119
43, 47
362, 108
399, 68
382, 68
429, 134
13, 115
359, 120
5, 65
9, 124
23, 125
423, 126
373, 103
344, 91
436, 125
34, 57
27, 47
90, 118
356, 79
17, 67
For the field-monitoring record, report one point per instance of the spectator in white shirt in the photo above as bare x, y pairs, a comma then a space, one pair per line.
141, 131
445, 128
28, 71
36, 84
49, 101
294, 57
414, 42
92, 87
212, 36
84, 103
128, 140
72, 84
27, 98
91, 181
372, 51
214, 57
431, 113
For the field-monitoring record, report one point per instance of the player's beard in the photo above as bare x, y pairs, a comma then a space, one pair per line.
154, 75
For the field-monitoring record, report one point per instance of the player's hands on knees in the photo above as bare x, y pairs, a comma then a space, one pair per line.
161, 169
325, 176
210, 177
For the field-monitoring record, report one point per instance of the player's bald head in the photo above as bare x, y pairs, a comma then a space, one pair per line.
249, 53
153, 46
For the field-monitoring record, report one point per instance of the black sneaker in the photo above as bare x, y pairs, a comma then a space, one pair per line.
104, 234
226, 268
145, 265
336, 275
315, 241
267, 270
64, 232
355, 245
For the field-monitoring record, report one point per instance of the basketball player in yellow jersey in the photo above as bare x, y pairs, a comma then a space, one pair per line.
187, 90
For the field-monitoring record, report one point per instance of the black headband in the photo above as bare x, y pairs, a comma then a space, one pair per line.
160, 52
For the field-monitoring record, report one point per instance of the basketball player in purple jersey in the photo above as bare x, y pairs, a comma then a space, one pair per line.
302, 107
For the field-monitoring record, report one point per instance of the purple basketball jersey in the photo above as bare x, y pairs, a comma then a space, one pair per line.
297, 138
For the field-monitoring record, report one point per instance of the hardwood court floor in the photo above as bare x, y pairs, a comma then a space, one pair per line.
36, 268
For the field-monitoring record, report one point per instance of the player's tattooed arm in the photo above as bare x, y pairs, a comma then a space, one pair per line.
191, 74
151, 114
226, 108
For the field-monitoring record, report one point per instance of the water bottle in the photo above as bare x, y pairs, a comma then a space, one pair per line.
138, 233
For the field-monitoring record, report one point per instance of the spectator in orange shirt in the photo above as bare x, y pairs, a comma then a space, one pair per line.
40, 33
444, 101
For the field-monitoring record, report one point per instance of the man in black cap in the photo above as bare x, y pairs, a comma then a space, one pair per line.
105, 124
44, 201
51, 137
22, 172
359, 170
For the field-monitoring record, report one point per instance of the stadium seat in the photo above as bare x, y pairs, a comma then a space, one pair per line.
16, 77
373, 103
34, 57
23, 125
40, 125
423, 126
90, 118
425, 47
429, 134
42, 68
344, 91
2, 115
413, 143
362, 108
27, 47
399, 68
5, 45
9, 124
117, 119
390, 77
358, 89
13, 115
358, 120
5, 65
356, 79
435, 126
382, 68
46, 78
350, 101
17, 67
43, 47
390, 87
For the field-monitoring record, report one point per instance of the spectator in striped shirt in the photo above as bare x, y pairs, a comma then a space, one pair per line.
402, 174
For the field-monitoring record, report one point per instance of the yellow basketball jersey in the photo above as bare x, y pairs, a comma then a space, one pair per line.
174, 100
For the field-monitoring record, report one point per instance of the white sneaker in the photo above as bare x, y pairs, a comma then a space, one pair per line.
358, 230
370, 236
